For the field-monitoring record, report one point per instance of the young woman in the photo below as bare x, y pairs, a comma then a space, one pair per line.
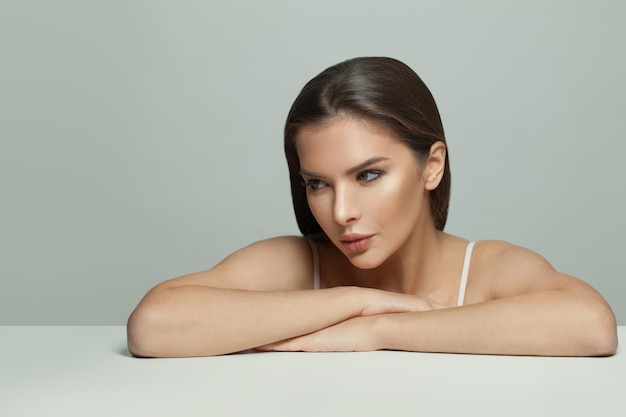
370, 183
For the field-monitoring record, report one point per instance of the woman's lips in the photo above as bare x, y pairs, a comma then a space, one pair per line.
356, 243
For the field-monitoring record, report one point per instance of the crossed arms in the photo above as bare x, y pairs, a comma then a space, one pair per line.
223, 310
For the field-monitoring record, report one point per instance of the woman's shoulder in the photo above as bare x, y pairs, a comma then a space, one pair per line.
495, 255
283, 248
292, 244
280, 263
277, 263
502, 269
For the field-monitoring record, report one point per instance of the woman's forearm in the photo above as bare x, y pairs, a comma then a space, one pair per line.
196, 320
550, 323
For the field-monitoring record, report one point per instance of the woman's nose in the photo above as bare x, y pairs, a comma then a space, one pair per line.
346, 208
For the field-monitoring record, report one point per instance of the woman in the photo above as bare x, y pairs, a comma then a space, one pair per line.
370, 183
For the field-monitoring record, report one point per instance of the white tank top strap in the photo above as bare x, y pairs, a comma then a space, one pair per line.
464, 273
316, 265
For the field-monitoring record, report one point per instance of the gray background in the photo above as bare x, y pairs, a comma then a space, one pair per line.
142, 140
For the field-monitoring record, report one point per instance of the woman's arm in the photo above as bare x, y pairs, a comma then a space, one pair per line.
198, 320
562, 322
253, 296
256, 296
531, 310
528, 309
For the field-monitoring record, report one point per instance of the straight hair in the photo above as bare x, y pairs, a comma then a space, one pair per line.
381, 90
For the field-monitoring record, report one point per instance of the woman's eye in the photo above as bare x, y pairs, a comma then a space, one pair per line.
369, 176
315, 184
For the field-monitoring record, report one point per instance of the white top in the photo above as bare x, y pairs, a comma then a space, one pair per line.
464, 272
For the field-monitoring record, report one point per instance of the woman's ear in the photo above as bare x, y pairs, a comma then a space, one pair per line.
435, 165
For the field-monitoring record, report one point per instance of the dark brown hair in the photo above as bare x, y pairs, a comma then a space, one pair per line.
380, 90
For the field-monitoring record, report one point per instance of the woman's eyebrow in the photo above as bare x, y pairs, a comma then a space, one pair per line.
350, 171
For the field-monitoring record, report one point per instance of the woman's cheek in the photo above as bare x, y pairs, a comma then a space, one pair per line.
318, 207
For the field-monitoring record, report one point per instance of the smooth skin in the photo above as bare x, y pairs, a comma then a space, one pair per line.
399, 292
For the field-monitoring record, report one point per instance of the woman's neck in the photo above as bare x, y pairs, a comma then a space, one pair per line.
428, 264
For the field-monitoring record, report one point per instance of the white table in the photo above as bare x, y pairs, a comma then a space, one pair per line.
87, 371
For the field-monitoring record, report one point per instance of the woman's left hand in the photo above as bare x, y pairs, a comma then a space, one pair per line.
352, 335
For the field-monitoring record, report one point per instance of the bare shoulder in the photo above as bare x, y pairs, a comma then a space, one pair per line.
277, 264
502, 269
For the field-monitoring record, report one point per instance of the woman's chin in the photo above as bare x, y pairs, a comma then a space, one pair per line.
364, 260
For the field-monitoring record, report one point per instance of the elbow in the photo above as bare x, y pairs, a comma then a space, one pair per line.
600, 337
149, 325
140, 333
148, 330
162, 326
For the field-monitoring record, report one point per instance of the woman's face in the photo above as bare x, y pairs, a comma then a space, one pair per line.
364, 187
